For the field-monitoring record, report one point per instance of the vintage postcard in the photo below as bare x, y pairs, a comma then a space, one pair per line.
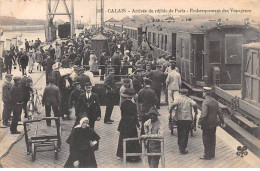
129, 84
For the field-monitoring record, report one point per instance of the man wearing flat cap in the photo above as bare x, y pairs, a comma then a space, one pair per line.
184, 118
146, 99
110, 87
152, 129
6, 97
89, 104
17, 101
211, 116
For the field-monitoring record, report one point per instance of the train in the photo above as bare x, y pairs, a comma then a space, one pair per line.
222, 53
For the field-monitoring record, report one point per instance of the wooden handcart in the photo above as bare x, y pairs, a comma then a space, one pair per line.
41, 143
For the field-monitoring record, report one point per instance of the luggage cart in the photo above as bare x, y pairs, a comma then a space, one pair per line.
41, 143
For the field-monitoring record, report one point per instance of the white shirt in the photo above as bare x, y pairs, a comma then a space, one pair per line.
88, 95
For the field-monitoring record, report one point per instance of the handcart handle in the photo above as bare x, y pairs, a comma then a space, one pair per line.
30, 121
50, 118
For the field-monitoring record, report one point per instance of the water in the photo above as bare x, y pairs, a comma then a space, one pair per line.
22, 35
29, 35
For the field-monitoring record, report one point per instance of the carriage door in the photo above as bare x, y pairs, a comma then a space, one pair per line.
199, 58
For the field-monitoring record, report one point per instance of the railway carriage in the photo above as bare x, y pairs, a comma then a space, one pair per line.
207, 52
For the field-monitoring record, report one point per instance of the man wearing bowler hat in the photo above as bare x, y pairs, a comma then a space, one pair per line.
89, 104
184, 118
110, 87
210, 118
153, 128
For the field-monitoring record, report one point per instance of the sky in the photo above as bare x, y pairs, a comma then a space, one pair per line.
85, 9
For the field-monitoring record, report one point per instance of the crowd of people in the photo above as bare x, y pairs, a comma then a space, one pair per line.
70, 68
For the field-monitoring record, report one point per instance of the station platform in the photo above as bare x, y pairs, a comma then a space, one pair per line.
226, 146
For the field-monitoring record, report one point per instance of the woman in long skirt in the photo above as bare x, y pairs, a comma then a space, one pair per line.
128, 125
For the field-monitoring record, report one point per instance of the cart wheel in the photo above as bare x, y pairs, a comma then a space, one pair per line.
33, 152
56, 150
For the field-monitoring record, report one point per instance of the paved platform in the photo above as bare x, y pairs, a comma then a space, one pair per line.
106, 155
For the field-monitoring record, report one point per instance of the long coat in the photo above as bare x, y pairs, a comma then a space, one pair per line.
128, 127
80, 149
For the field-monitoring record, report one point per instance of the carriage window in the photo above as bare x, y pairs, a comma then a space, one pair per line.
165, 45
182, 48
233, 48
154, 39
214, 52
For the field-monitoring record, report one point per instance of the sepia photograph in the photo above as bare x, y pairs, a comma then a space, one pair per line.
129, 84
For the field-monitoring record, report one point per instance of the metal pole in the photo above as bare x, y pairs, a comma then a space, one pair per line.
72, 19
102, 16
96, 13
47, 22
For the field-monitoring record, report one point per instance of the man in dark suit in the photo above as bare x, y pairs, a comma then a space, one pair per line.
146, 99
209, 120
89, 104
6, 97
17, 101
48, 68
24, 62
102, 61
9, 60
157, 78
51, 99
110, 87
116, 62
27, 46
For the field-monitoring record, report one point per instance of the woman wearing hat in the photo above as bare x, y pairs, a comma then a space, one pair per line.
128, 123
65, 86
83, 142
93, 63
153, 128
